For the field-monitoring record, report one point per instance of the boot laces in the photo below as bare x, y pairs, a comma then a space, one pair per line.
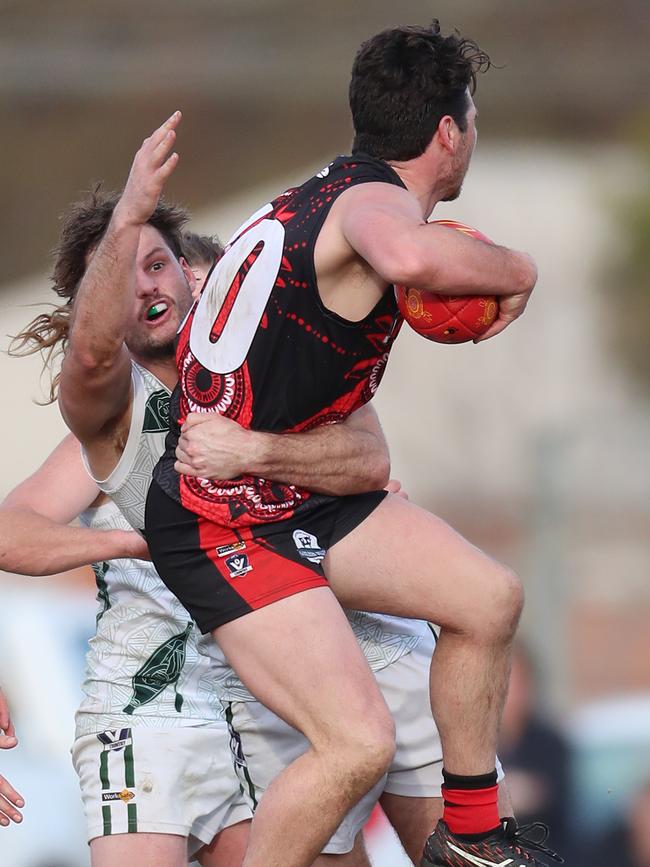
522, 839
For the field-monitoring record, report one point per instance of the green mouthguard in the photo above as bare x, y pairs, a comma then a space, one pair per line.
154, 311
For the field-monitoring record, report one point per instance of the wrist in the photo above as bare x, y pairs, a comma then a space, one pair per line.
119, 544
125, 220
258, 456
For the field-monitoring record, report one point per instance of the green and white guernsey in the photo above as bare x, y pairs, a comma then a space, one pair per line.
143, 665
148, 664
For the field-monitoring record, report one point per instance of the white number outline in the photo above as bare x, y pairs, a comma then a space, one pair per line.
228, 352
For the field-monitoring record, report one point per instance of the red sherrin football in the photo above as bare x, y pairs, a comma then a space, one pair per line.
448, 318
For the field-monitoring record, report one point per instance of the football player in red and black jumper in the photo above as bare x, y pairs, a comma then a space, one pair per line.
293, 331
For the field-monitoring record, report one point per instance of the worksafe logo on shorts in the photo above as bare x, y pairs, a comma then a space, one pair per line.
308, 547
224, 550
238, 565
125, 796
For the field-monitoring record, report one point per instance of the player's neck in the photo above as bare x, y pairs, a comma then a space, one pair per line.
163, 369
416, 175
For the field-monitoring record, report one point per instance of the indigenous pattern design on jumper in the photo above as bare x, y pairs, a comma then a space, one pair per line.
143, 665
259, 347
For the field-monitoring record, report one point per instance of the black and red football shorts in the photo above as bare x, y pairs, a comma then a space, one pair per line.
221, 573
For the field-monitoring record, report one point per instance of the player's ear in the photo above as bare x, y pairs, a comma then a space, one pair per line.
448, 133
189, 276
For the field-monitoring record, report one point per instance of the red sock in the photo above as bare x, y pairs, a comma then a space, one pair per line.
471, 811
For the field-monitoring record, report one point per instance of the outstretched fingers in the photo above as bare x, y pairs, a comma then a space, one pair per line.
158, 149
10, 799
152, 166
164, 131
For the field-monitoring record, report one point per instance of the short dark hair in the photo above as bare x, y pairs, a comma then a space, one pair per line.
82, 229
201, 249
404, 81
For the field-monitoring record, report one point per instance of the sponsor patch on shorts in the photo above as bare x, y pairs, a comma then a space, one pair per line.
125, 796
225, 550
307, 546
238, 565
115, 739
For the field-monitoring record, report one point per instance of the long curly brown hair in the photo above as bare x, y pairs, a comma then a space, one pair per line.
83, 227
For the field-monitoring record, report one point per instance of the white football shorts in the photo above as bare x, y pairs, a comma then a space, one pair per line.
159, 781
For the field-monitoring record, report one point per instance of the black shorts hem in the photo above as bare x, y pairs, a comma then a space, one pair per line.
228, 616
350, 519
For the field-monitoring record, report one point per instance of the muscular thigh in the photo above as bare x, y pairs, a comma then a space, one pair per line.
145, 850
300, 658
403, 560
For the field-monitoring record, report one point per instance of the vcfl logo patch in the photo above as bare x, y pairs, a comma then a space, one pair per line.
238, 565
308, 547
115, 739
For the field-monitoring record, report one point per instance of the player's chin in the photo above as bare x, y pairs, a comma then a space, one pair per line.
158, 346
452, 195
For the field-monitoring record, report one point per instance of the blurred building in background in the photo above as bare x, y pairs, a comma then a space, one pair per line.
534, 445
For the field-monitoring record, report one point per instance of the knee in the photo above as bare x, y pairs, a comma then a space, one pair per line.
506, 602
370, 746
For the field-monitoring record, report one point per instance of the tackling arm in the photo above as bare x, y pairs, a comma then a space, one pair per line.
34, 536
337, 459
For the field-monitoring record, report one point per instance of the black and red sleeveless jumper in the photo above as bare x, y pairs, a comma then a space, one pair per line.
260, 348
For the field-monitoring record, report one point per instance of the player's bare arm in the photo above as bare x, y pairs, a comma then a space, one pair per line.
347, 458
10, 800
35, 538
95, 388
384, 225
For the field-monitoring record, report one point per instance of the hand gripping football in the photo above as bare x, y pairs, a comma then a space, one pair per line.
448, 318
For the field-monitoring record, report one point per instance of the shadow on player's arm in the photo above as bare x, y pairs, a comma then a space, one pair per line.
35, 538
337, 459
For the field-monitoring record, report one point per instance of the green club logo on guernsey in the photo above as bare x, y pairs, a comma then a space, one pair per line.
156, 413
162, 669
101, 570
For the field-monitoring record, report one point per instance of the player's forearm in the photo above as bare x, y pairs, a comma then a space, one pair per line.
31, 544
447, 261
105, 297
333, 460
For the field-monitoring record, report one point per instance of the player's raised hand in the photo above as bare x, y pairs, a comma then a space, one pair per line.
152, 166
